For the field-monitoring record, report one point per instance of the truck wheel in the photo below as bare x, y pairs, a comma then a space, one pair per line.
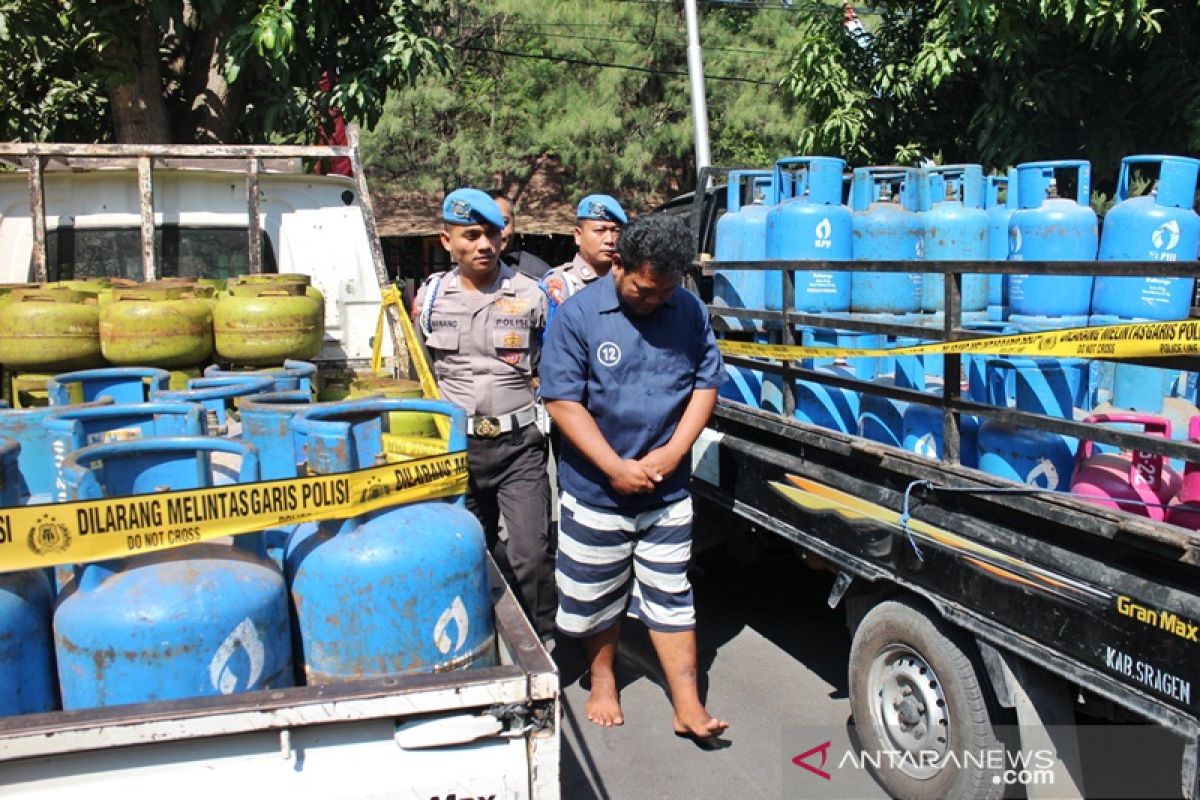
918, 703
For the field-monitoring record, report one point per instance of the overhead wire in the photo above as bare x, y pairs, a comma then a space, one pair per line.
632, 67
632, 41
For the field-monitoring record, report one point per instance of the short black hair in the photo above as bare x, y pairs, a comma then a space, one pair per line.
661, 239
496, 194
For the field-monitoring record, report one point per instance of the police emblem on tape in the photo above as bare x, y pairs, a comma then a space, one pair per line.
48, 535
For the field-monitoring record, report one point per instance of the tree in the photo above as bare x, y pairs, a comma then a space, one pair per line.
1001, 82
600, 88
204, 70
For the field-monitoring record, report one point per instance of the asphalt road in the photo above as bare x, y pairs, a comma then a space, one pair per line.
772, 657
773, 662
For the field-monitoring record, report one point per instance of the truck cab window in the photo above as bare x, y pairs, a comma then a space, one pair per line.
179, 253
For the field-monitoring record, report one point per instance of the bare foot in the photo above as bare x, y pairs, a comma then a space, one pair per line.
698, 724
604, 703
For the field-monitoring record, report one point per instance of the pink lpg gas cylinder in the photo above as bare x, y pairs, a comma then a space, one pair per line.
1140, 483
1185, 510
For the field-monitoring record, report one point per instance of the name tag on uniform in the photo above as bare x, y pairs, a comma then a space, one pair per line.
511, 323
510, 339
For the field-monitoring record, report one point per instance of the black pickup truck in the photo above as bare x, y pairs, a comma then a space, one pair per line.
981, 611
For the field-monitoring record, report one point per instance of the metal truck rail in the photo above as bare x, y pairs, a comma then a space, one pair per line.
1046, 597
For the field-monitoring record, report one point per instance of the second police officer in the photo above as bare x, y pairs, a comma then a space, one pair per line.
482, 322
598, 221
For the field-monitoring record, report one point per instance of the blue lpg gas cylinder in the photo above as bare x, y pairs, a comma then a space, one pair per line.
924, 434
400, 590
831, 406
828, 406
122, 384
74, 427
820, 404
811, 224
1159, 226
201, 620
1000, 211
267, 424
1048, 227
885, 228
881, 419
922, 427
744, 385
27, 683
292, 376
1040, 386
742, 236
215, 393
955, 229
37, 463
1022, 323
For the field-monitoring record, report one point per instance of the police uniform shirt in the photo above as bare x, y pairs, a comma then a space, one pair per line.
484, 344
567, 279
526, 262
635, 375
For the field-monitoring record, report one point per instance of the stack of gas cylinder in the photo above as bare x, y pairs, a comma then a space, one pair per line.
395, 591
808, 209
178, 324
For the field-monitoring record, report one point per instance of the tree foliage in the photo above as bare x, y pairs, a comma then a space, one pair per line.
1001, 82
204, 70
598, 88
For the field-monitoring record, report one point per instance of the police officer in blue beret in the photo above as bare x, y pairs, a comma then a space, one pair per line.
598, 221
482, 323
520, 260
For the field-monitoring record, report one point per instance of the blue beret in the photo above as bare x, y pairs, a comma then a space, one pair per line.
601, 207
471, 207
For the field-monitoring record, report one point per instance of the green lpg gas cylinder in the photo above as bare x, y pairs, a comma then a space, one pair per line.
7, 289
260, 322
165, 324
50, 330
400, 423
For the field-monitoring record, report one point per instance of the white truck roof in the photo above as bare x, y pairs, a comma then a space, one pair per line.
314, 225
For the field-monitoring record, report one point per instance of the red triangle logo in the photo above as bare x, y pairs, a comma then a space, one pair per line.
823, 749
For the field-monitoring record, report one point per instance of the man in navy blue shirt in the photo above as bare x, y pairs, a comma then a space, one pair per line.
630, 371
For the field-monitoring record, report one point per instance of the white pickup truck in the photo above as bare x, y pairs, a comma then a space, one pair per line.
149, 212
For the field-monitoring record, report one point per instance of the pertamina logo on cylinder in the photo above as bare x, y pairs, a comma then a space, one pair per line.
824, 234
1165, 238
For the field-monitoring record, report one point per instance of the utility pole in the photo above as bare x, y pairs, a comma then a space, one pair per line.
696, 79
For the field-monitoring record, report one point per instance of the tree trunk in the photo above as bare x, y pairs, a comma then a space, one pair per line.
215, 105
138, 109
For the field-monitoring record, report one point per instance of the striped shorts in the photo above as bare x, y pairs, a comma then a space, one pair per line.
610, 563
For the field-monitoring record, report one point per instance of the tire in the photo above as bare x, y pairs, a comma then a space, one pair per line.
914, 688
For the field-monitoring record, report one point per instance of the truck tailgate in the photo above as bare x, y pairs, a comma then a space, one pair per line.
498, 736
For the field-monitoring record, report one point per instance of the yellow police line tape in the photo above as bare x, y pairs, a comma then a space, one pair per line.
429, 385
95, 530
1133, 340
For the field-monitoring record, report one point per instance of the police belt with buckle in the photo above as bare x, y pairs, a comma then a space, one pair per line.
491, 427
